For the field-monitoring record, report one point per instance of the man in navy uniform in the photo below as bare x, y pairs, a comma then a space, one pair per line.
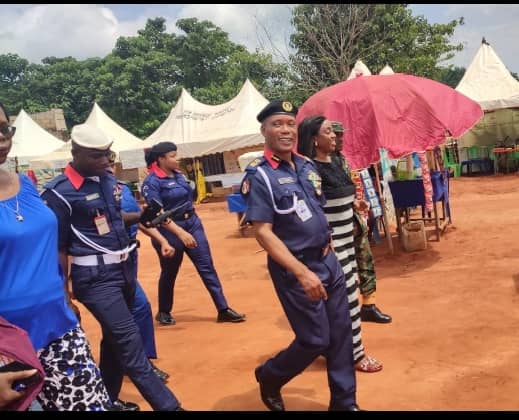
92, 232
284, 203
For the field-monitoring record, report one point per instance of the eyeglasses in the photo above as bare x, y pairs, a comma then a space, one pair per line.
7, 130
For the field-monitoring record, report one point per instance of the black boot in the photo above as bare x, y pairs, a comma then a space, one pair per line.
370, 313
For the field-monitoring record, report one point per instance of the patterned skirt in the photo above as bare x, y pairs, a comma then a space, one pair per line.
73, 380
339, 213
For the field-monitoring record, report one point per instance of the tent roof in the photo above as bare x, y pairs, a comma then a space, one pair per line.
386, 71
359, 69
198, 129
123, 140
58, 158
488, 81
30, 140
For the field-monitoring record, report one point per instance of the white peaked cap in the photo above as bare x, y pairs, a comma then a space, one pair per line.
91, 137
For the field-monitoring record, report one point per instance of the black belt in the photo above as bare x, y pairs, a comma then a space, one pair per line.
312, 254
182, 216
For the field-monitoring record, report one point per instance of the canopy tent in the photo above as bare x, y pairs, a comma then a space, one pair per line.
126, 145
30, 140
57, 159
488, 82
359, 69
199, 129
386, 71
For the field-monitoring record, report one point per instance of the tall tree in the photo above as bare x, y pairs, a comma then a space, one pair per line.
329, 38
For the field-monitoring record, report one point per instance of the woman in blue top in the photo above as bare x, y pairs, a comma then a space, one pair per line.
32, 293
183, 230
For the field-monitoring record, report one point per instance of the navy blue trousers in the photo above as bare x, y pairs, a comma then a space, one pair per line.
108, 291
320, 327
141, 311
201, 258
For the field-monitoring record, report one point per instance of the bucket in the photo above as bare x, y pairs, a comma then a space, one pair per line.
414, 237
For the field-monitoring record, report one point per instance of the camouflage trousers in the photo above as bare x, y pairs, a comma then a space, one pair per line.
363, 256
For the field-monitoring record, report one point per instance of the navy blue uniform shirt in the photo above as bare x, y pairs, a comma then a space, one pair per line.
304, 182
172, 191
88, 198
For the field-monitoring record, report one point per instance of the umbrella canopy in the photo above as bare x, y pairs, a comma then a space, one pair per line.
399, 112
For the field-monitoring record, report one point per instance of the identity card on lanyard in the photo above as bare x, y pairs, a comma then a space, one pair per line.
101, 224
303, 211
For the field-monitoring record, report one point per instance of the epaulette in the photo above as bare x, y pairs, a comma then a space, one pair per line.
251, 167
54, 182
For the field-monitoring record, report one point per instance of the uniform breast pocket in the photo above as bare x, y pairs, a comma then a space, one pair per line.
287, 198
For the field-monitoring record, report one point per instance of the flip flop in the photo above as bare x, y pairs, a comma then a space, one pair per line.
368, 364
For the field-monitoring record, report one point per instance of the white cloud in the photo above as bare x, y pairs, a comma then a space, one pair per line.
497, 23
78, 30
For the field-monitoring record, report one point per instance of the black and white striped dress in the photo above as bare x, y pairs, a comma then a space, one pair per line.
339, 191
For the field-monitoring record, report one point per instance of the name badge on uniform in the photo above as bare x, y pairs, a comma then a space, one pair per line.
101, 224
286, 180
92, 196
303, 211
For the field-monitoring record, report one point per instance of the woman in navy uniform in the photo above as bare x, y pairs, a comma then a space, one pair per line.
92, 231
284, 203
184, 231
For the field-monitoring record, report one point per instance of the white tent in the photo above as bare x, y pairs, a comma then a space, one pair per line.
386, 71
199, 129
57, 159
359, 69
488, 82
31, 140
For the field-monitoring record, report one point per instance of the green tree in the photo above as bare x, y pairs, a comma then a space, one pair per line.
12, 72
452, 76
329, 38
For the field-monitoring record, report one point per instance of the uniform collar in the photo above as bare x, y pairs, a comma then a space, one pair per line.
155, 169
274, 160
75, 178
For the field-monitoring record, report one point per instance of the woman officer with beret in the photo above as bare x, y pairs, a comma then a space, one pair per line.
184, 231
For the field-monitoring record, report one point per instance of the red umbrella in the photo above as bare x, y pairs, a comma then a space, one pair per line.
399, 112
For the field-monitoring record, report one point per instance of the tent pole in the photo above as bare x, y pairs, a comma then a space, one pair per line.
384, 212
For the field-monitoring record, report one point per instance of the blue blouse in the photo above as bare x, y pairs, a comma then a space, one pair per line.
32, 293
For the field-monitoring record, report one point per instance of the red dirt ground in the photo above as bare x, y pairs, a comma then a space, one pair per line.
453, 343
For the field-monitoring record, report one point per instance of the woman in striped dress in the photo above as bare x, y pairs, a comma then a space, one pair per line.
316, 140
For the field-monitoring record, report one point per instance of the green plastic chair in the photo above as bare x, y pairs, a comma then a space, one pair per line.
449, 161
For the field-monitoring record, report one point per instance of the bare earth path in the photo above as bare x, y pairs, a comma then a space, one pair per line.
453, 343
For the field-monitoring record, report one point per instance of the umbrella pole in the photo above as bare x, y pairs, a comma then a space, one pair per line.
384, 212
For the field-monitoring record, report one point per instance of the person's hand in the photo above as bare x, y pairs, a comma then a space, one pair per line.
7, 393
188, 240
166, 249
312, 285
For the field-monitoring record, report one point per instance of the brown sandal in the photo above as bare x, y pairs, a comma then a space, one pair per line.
368, 364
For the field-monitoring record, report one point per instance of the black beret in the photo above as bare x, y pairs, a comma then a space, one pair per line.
159, 149
277, 107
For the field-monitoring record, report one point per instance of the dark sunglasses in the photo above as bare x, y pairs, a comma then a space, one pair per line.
8, 130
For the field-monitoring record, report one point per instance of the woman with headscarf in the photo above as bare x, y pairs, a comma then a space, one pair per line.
184, 231
316, 140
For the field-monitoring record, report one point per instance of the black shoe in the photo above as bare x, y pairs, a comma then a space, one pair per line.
229, 315
163, 376
165, 318
119, 405
270, 397
370, 313
353, 407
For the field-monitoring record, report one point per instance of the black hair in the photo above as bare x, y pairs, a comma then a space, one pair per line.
5, 111
158, 150
307, 129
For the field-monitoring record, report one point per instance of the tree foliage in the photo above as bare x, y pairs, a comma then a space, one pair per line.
330, 38
140, 80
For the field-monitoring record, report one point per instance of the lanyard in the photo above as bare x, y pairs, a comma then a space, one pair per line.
278, 211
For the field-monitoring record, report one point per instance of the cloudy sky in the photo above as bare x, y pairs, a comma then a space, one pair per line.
90, 30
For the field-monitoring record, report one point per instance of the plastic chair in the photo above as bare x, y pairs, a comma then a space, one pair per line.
477, 156
449, 161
